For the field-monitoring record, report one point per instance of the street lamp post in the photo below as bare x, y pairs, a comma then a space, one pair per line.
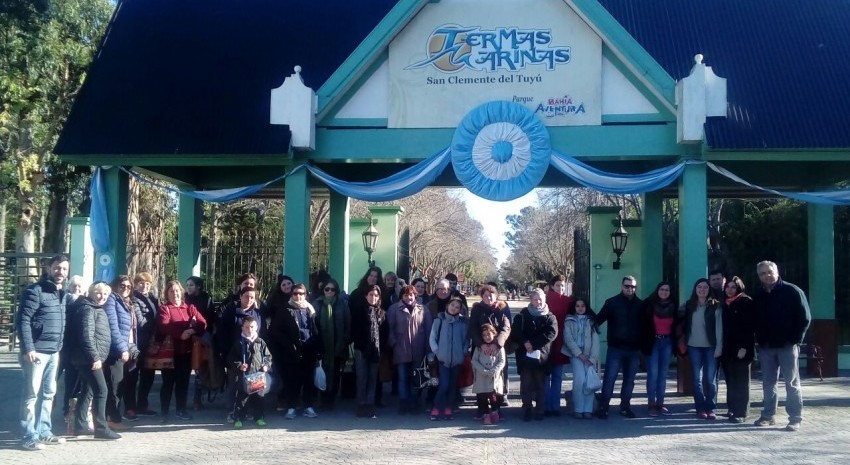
619, 240
370, 242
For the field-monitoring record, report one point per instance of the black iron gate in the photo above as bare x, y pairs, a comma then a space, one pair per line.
581, 280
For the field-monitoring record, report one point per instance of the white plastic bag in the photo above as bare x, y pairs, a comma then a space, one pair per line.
320, 380
592, 381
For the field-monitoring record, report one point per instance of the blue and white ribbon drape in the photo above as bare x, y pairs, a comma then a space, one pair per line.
610, 183
104, 256
500, 151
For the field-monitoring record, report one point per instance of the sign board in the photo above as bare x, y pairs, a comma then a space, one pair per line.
457, 54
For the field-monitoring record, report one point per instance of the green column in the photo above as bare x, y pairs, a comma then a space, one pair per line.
652, 255
386, 219
296, 249
339, 236
824, 328
81, 249
693, 228
189, 238
116, 186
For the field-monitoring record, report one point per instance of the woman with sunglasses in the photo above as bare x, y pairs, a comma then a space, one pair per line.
124, 317
334, 321
299, 343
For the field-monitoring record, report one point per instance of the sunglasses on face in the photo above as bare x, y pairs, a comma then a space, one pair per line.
629, 286
298, 293
330, 289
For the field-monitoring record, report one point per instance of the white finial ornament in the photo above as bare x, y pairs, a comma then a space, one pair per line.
698, 58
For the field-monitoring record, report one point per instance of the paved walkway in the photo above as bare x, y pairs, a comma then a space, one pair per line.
339, 437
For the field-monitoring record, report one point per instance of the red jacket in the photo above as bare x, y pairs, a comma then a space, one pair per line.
559, 305
173, 320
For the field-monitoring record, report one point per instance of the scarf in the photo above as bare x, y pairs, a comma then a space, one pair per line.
327, 325
729, 300
301, 312
535, 311
582, 324
663, 309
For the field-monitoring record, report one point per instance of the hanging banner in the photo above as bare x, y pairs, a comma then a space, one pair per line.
457, 54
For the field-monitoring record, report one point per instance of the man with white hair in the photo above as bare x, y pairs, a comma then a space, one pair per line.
782, 318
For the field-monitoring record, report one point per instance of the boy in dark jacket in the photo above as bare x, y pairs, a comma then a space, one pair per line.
249, 355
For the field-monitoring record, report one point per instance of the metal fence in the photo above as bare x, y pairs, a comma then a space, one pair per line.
17, 271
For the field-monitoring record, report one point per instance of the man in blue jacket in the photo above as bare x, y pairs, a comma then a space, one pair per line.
782, 318
40, 326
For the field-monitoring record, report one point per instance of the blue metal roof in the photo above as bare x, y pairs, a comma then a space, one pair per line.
193, 76
787, 63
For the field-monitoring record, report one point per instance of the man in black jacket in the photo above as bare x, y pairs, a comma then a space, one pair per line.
782, 318
625, 337
40, 326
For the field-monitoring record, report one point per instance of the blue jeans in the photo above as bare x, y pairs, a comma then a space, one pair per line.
405, 391
629, 360
656, 370
704, 367
447, 388
553, 388
39, 387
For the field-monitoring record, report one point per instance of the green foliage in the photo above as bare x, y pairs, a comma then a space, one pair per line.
45, 49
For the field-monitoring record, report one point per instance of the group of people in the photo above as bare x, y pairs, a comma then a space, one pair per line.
716, 328
109, 340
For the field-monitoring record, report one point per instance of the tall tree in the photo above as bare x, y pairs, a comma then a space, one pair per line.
45, 49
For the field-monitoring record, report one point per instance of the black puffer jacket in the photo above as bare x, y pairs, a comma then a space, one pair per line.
40, 322
90, 333
625, 322
540, 331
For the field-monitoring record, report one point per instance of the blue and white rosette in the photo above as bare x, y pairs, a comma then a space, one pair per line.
500, 151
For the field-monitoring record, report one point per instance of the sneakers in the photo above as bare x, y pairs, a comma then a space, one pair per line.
130, 415
448, 414
237, 424
261, 422
107, 435
52, 440
310, 413
229, 418
32, 444
627, 412
710, 415
653, 411
702, 415
664, 411
435, 414
793, 426
290, 414
762, 421
183, 415
737, 419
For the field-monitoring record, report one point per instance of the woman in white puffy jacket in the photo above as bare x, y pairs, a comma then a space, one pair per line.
581, 344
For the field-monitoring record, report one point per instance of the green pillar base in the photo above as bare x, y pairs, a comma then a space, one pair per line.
189, 238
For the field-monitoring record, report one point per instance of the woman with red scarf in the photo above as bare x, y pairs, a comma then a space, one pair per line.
180, 321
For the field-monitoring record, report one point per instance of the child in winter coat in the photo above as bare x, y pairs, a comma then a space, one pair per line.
449, 343
488, 361
581, 344
249, 355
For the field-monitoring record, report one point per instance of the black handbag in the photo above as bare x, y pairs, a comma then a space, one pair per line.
420, 377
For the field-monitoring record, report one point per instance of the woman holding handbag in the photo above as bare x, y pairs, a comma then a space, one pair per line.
581, 344
179, 321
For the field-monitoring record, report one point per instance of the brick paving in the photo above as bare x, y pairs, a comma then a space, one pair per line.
339, 437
